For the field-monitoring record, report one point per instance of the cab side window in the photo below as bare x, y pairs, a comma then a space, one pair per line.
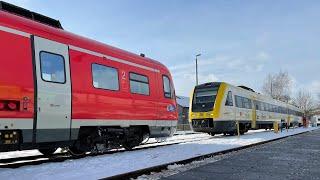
167, 88
229, 101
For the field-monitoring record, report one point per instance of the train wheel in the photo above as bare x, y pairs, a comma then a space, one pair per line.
47, 151
128, 146
232, 133
76, 151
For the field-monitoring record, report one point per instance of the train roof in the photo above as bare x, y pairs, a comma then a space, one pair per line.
42, 29
250, 91
4, 6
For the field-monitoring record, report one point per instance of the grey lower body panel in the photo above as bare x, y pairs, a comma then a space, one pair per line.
66, 136
217, 127
156, 131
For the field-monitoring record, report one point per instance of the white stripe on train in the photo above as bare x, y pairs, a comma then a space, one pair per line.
27, 123
111, 58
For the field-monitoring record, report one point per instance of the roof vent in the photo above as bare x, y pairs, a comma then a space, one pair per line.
10, 8
142, 55
246, 88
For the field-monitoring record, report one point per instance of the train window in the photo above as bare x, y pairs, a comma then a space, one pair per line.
167, 89
262, 106
52, 67
105, 77
269, 107
250, 103
257, 105
229, 100
247, 103
139, 84
205, 95
243, 102
238, 101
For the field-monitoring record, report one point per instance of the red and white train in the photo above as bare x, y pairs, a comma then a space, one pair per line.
58, 89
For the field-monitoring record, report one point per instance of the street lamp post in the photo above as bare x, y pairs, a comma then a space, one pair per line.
197, 68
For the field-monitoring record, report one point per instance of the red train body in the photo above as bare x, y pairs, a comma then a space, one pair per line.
104, 93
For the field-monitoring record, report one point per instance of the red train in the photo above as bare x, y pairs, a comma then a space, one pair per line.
58, 89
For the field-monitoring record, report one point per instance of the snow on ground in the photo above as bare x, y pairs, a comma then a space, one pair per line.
180, 136
118, 163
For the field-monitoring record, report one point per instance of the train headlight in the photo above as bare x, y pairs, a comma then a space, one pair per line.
12, 106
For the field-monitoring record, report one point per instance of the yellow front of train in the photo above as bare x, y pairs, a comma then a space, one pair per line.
205, 106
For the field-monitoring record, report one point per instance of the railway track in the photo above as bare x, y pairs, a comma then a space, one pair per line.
60, 157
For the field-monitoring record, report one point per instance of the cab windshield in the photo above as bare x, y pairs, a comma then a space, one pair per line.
204, 97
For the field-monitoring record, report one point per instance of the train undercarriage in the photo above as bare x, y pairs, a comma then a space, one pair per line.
100, 139
96, 139
230, 127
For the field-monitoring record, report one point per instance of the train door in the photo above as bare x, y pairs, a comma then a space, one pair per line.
254, 114
53, 115
230, 110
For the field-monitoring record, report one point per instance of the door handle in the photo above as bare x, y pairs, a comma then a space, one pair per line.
54, 105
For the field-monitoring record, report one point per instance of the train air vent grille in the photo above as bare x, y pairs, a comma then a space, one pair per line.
4, 6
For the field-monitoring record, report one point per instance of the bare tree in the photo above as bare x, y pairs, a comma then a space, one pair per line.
278, 86
305, 101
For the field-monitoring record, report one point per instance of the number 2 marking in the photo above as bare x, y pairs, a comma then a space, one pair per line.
123, 75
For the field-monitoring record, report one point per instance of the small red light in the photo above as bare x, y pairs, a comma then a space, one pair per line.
2, 105
12, 106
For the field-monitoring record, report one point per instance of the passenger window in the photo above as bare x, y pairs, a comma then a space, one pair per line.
246, 103
229, 101
139, 84
52, 67
258, 105
167, 87
105, 77
250, 104
238, 101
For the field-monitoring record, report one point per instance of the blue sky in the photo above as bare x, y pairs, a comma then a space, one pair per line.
240, 41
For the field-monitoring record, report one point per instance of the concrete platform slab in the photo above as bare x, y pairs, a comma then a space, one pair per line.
296, 157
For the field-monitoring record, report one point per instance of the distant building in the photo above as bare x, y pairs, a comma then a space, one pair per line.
183, 110
315, 120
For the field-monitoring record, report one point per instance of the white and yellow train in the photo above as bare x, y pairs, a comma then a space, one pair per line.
217, 107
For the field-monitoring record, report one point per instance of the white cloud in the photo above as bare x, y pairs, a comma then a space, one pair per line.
263, 55
235, 70
314, 87
186, 82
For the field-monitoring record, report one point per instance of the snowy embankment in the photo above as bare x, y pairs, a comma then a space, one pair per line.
180, 136
119, 163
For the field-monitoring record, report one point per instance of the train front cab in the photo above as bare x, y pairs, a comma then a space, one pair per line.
207, 103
